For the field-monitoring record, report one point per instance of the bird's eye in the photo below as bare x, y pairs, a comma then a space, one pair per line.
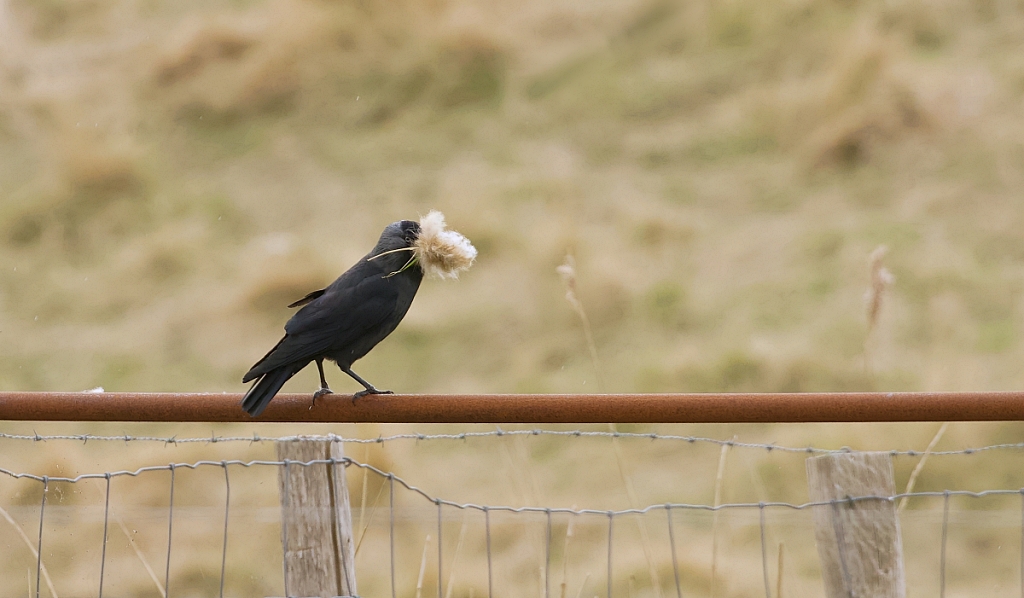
409, 239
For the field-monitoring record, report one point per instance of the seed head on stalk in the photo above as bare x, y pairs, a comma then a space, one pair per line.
440, 253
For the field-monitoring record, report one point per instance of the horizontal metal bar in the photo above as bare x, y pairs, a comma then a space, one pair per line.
521, 408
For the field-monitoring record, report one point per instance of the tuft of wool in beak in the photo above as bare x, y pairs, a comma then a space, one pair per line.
442, 253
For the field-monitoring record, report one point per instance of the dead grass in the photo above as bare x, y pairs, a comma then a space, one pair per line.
562, 470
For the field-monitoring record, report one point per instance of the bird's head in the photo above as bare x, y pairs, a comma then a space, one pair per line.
394, 250
426, 244
398, 235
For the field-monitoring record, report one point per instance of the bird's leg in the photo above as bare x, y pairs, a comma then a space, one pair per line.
324, 389
370, 390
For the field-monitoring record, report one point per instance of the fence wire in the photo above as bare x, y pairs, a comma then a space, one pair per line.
443, 507
498, 433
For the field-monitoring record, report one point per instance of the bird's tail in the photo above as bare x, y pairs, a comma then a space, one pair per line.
258, 397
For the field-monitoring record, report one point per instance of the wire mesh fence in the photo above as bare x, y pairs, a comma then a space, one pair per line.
587, 513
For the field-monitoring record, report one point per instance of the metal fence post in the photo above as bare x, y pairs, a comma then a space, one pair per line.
316, 518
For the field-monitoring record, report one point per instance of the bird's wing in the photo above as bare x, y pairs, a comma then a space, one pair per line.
332, 321
308, 298
257, 369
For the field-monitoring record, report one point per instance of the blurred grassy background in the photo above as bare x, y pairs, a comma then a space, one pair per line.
173, 174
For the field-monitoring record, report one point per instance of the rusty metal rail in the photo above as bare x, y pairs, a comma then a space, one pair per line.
520, 408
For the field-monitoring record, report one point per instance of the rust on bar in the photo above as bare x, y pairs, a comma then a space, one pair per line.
522, 408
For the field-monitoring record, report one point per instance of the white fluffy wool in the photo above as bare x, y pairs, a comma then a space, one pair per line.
440, 252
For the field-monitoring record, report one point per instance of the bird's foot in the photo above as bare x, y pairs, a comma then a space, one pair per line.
323, 391
370, 391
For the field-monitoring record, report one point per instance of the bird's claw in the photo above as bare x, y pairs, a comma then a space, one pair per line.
323, 391
370, 391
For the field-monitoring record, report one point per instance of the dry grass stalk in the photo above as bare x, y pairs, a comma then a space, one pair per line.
586, 578
518, 462
714, 517
778, 578
362, 500
138, 554
423, 568
634, 503
881, 280
369, 519
568, 273
32, 549
141, 557
920, 465
455, 559
525, 482
565, 554
755, 478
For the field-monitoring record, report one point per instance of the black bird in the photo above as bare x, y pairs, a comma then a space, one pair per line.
343, 321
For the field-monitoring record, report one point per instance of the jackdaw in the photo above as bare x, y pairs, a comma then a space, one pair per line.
345, 320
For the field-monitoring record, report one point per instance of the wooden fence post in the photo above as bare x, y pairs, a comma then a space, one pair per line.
316, 520
859, 542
